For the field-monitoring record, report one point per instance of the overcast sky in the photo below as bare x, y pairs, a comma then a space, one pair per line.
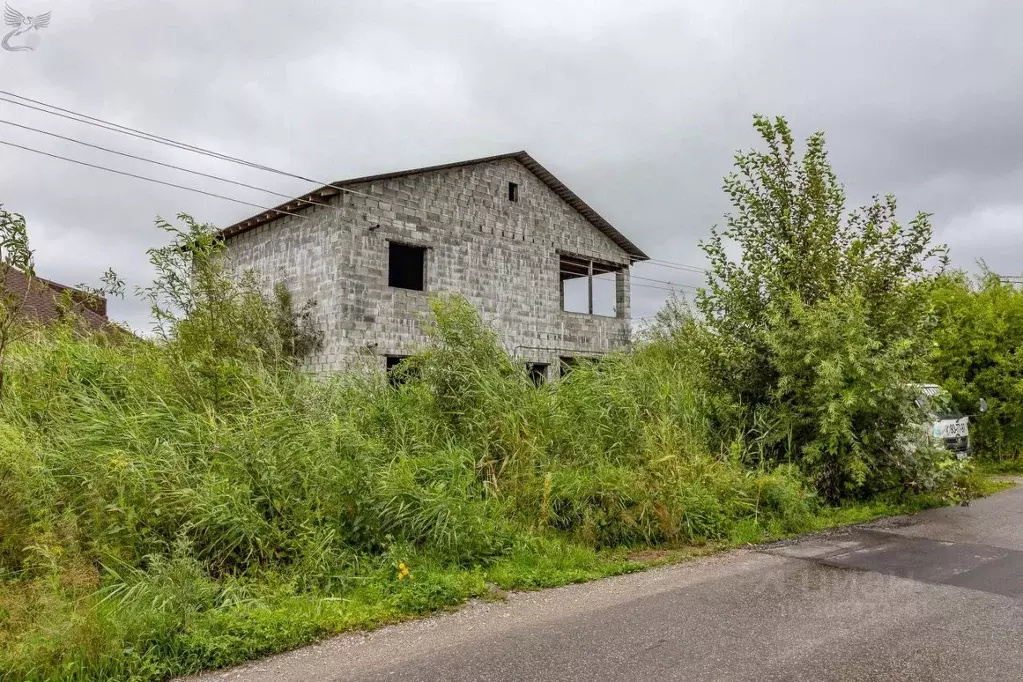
636, 105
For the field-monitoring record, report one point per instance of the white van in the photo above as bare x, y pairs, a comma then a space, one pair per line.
948, 425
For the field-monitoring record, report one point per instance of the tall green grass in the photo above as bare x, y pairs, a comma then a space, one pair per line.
147, 532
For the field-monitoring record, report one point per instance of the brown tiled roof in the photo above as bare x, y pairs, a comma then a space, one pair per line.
41, 296
545, 176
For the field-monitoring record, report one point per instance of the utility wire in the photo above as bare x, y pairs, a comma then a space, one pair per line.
676, 266
228, 180
646, 286
148, 179
114, 127
78, 117
165, 165
671, 286
674, 284
232, 199
54, 110
653, 286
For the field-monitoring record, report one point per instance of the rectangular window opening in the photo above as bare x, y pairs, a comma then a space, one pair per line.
537, 372
567, 363
406, 266
396, 374
513, 191
588, 286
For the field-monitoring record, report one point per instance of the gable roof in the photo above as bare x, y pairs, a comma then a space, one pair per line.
41, 298
544, 175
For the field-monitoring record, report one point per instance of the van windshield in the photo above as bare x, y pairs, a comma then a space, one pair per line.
941, 406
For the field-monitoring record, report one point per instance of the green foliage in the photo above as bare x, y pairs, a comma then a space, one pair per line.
214, 320
978, 353
300, 335
841, 399
14, 247
146, 533
1003, 466
821, 321
194, 500
15, 254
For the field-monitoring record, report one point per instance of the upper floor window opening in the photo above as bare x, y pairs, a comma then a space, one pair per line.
589, 286
406, 266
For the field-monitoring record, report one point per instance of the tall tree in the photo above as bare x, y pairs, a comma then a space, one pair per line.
821, 320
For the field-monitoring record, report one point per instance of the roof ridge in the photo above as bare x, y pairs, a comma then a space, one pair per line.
522, 156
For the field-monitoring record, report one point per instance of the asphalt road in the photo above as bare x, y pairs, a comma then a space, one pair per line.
938, 596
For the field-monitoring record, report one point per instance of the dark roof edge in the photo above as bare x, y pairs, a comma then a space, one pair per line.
57, 287
90, 303
545, 176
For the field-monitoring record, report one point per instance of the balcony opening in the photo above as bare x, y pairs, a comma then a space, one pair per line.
406, 266
589, 287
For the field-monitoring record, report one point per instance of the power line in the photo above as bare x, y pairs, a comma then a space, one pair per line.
671, 286
150, 137
675, 284
78, 117
86, 164
675, 266
118, 128
652, 286
148, 179
597, 278
634, 277
164, 165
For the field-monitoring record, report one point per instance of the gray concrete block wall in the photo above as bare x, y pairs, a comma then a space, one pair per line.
500, 255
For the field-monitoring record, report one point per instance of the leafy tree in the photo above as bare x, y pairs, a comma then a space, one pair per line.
15, 255
299, 334
978, 353
821, 321
217, 319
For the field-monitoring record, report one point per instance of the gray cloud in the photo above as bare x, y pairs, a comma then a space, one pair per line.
637, 106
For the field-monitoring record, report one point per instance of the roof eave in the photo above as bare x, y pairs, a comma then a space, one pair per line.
317, 196
584, 209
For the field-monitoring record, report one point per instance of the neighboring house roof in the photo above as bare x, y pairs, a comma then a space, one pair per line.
558, 187
41, 298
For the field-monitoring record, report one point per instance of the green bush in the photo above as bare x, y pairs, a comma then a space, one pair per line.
164, 516
814, 331
978, 353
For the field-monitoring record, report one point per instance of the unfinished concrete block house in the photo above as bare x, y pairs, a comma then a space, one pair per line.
548, 273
